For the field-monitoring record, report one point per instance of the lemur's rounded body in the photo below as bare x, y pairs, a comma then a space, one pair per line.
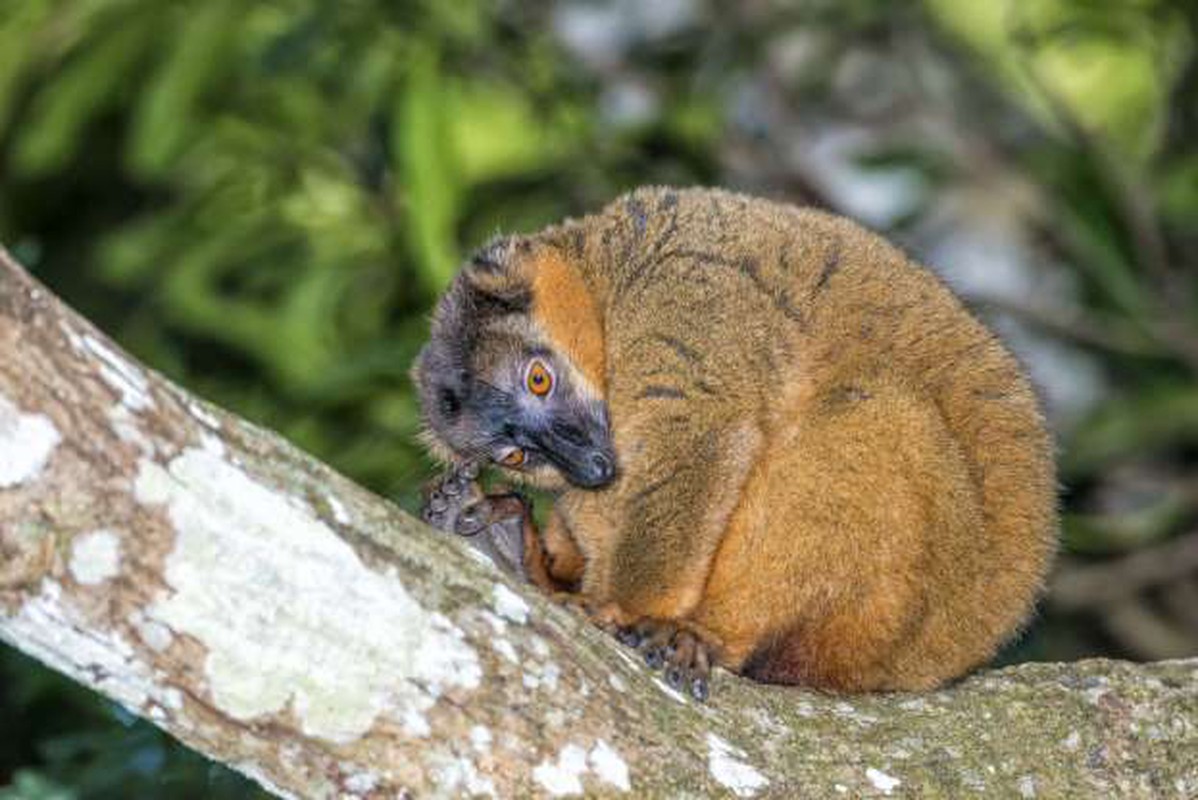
826, 465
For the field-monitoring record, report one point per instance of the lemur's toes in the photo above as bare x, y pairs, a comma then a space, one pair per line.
676, 648
655, 657
629, 637
473, 518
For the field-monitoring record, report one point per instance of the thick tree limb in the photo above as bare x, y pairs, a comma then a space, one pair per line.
272, 615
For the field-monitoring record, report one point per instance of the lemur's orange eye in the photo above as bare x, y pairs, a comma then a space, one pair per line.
540, 380
514, 458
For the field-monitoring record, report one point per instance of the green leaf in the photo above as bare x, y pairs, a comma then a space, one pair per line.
431, 185
165, 117
90, 82
21, 44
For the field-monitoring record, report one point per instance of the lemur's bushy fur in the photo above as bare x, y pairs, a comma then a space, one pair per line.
826, 465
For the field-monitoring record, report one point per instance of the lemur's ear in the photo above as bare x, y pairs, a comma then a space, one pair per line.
499, 271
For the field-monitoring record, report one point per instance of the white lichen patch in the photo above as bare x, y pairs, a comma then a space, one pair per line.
609, 766
881, 781
287, 611
125, 425
456, 776
48, 628
415, 724
480, 739
850, 712
340, 514
542, 675
172, 698
202, 415
360, 781
95, 557
497, 623
26, 444
539, 647
155, 635
729, 769
127, 380
505, 649
510, 605
562, 778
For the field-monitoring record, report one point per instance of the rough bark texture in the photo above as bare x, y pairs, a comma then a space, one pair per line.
276, 617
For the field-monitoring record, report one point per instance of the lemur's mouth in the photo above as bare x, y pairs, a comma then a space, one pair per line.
584, 465
596, 471
580, 462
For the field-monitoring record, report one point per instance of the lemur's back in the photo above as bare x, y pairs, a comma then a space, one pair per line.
847, 358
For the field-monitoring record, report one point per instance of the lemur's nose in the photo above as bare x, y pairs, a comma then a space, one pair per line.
603, 468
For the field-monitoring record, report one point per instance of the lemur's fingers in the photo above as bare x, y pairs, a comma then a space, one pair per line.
448, 496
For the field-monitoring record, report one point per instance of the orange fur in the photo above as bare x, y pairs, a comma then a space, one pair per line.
566, 560
567, 311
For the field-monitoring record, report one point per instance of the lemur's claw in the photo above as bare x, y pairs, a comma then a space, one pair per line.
473, 517
655, 657
629, 637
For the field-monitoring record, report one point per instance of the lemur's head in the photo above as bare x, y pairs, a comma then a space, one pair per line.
513, 371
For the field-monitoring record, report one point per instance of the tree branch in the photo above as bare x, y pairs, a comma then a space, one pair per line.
270, 614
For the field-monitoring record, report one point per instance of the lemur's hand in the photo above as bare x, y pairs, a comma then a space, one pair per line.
493, 524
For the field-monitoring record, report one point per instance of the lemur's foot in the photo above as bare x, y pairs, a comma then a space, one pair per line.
493, 524
680, 649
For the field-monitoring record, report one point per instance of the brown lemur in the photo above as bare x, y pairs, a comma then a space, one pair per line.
777, 444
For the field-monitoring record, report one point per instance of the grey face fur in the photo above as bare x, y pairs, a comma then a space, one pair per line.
476, 401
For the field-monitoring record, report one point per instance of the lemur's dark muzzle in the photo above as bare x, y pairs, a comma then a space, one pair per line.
583, 464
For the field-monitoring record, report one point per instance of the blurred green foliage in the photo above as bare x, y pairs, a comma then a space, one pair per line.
262, 200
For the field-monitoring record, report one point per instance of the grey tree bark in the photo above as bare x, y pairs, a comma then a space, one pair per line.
276, 617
